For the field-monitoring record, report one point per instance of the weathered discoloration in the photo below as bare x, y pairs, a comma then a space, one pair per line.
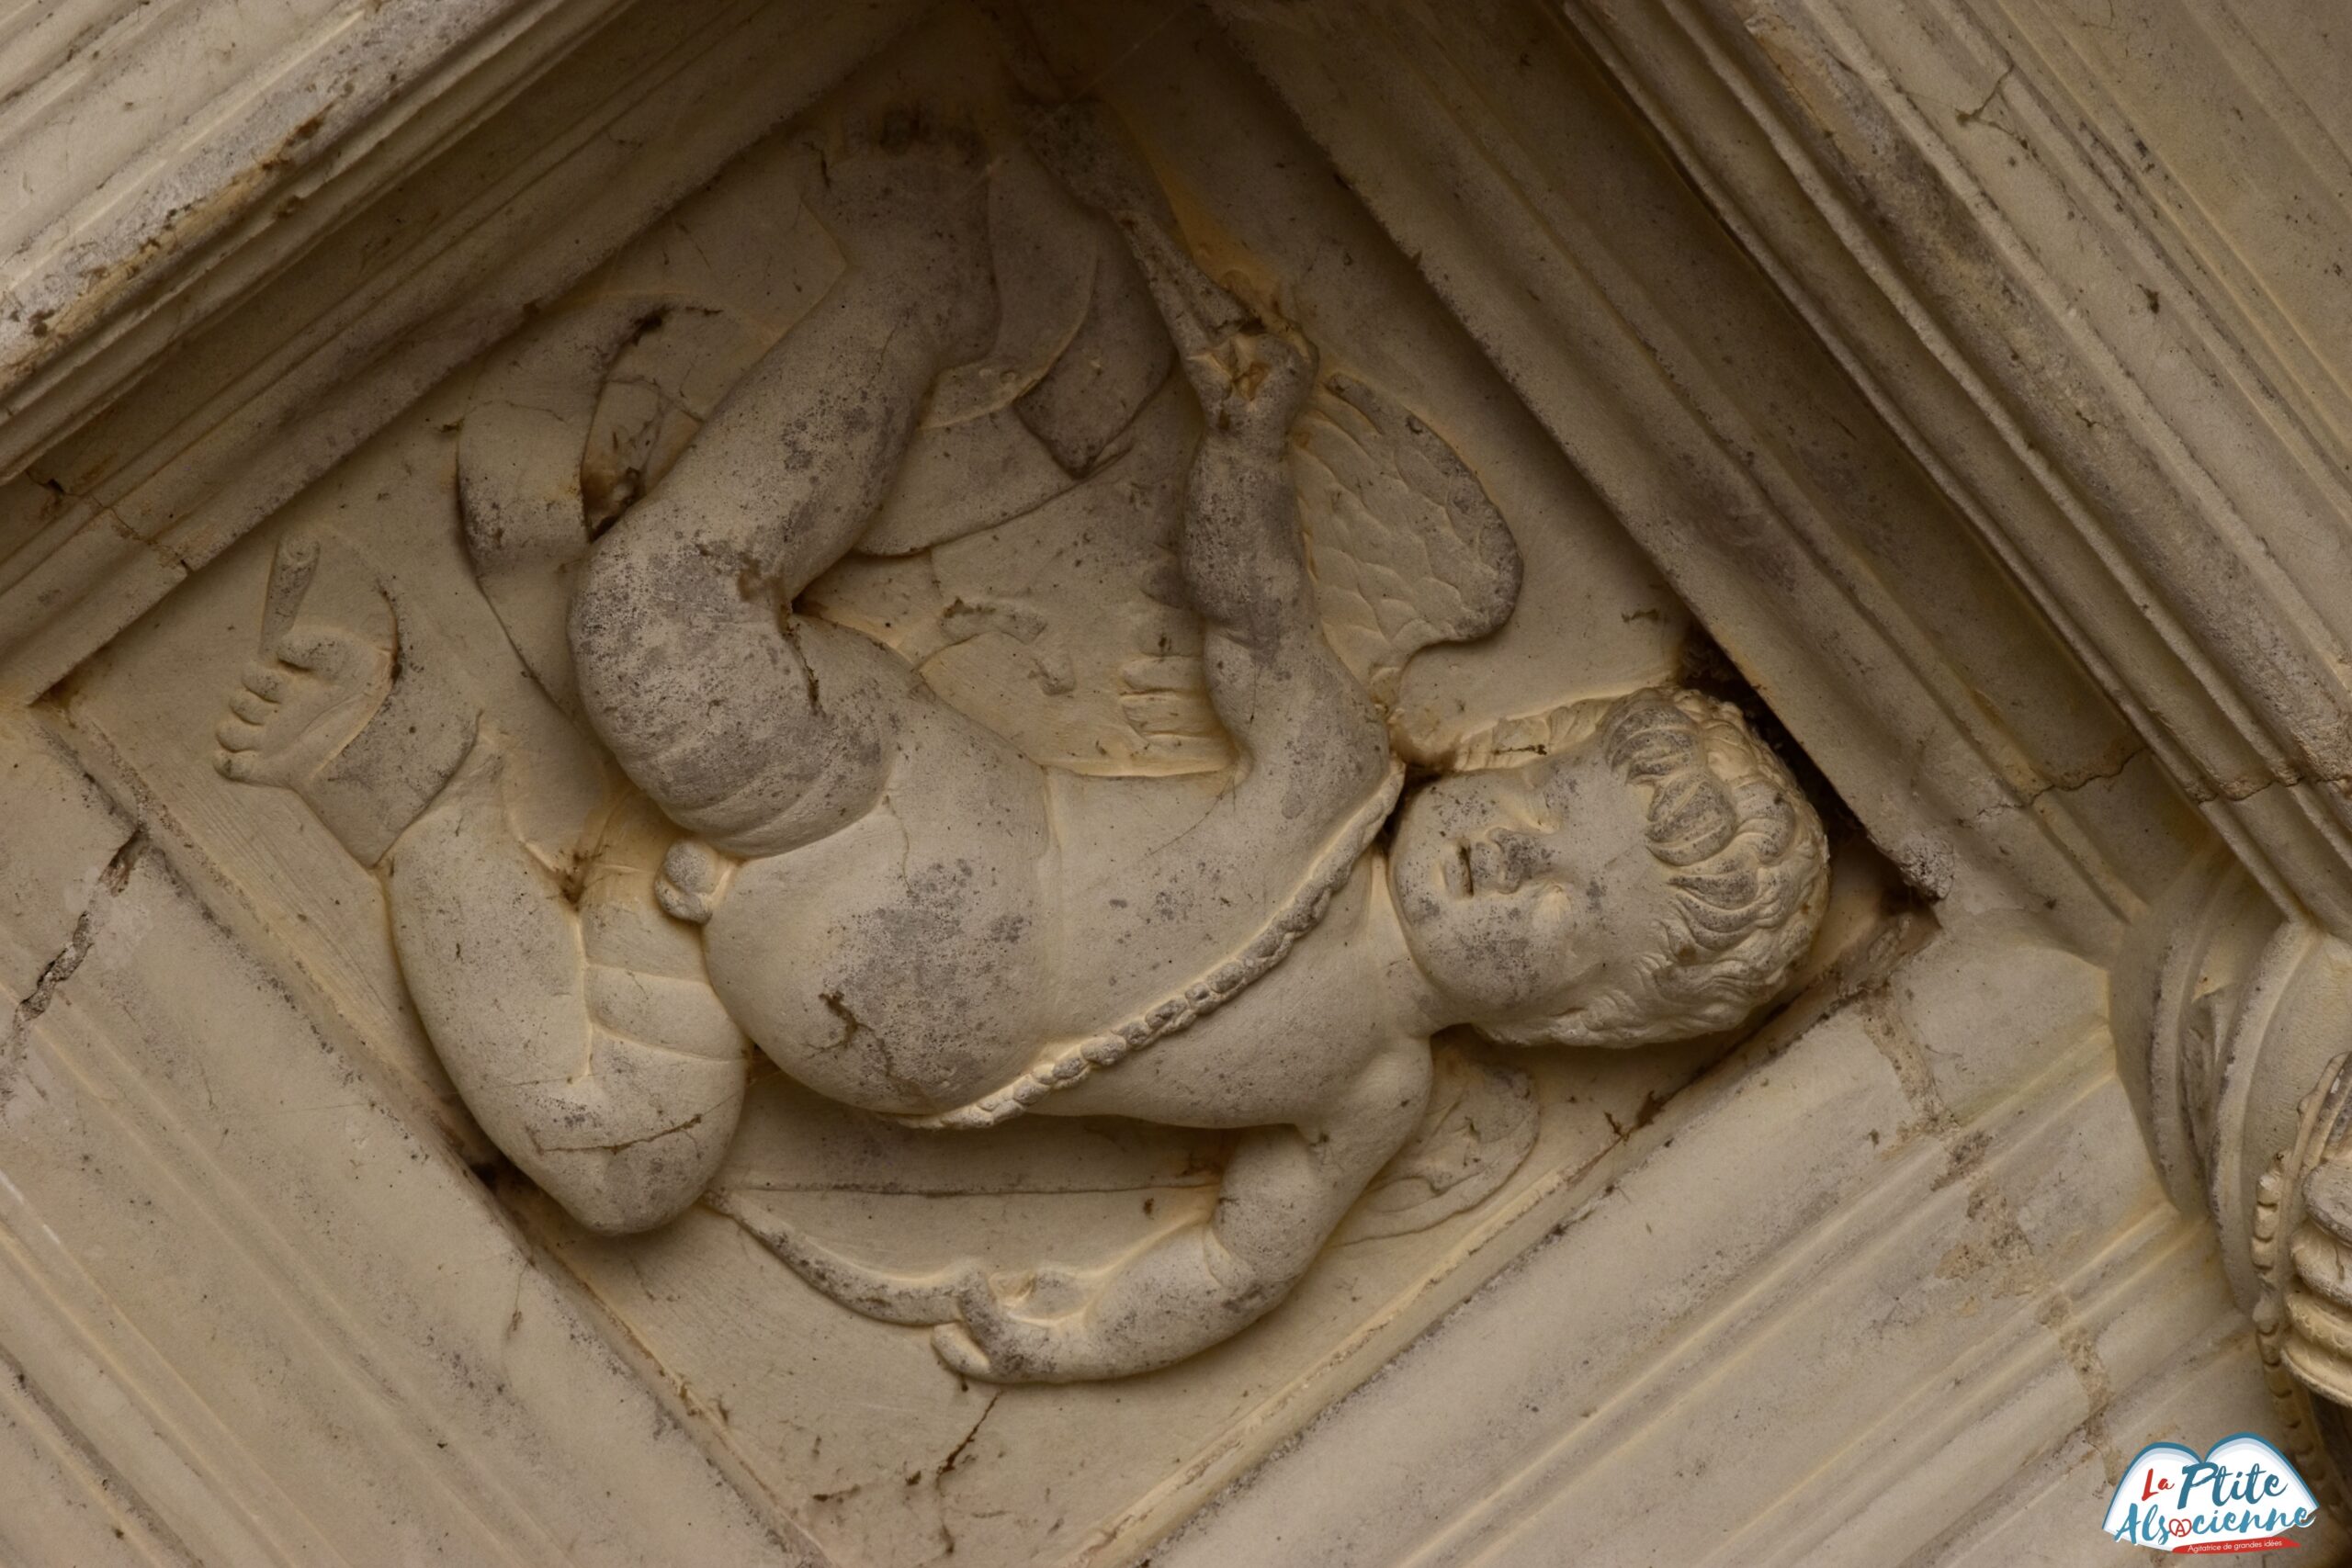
87, 255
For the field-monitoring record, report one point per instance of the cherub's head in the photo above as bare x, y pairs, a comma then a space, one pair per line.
1652, 873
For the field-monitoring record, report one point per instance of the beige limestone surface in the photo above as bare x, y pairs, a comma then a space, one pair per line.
1310, 783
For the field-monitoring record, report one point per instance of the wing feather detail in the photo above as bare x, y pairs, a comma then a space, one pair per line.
1407, 548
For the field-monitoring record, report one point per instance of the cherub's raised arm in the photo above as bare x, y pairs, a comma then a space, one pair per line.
1293, 709
1285, 697
1245, 561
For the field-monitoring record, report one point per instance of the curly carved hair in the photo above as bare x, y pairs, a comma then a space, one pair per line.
1743, 850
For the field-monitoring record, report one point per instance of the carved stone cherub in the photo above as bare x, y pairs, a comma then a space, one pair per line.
905, 913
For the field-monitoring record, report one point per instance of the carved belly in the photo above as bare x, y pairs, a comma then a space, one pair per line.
898, 991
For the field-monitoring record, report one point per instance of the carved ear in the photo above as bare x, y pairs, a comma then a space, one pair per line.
1407, 548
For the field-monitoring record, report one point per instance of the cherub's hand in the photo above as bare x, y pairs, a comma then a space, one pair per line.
691, 879
1253, 385
1022, 1328
295, 711
1165, 700
1183, 1291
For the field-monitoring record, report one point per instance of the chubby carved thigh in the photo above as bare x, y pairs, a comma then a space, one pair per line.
753, 727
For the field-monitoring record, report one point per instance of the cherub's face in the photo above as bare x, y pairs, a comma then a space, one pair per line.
1526, 891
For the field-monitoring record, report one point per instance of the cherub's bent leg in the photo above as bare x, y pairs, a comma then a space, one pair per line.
585, 1039
1285, 1191
688, 660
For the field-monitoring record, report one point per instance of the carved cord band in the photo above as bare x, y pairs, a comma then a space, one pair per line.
1062, 1065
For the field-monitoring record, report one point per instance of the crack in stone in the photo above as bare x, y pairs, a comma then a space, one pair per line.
1970, 117
956, 1454
2235, 791
103, 514
2026, 801
84, 935
545, 1149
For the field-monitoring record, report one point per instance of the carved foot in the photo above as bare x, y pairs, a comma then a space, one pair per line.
339, 708
301, 705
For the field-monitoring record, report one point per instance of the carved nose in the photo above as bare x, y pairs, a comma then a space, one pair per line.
1494, 867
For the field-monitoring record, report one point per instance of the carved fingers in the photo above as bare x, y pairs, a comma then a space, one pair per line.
692, 876
1048, 1337
964, 1356
996, 1345
1164, 699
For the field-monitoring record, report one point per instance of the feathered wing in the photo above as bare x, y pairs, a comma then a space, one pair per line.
1407, 548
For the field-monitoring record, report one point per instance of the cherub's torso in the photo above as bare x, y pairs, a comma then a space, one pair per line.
985, 907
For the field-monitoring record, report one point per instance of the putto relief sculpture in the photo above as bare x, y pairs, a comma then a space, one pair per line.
1182, 864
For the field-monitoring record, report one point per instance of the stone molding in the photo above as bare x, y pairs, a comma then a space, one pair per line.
2129, 406
160, 142
431, 255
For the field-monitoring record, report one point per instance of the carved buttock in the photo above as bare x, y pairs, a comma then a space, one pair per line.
880, 977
